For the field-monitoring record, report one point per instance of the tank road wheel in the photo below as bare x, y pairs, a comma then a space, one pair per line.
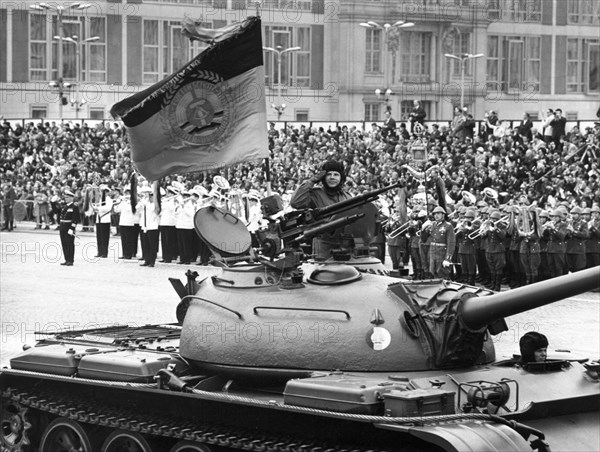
65, 435
124, 441
189, 446
15, 426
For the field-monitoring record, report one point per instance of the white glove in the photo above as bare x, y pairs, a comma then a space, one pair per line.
446, 264
70, 232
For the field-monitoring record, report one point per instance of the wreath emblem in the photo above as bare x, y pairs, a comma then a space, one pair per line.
198, 112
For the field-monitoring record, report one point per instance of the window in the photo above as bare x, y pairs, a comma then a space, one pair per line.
295, 65
373, 50
583, 61
43, 54
39, 111
301, 115
372, 112
151, 71
462, 45
516, 10
38, 55
415, 56
513, 63
493, 63
405, 108
584, 12
96, 113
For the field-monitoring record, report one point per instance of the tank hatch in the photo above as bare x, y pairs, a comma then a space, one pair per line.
333, 275
222, 232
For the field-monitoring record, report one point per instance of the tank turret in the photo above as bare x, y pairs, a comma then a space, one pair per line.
344, 317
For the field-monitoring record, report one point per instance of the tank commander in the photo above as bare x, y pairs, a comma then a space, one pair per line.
310, 195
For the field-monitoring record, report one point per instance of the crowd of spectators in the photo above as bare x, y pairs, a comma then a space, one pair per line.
41, 159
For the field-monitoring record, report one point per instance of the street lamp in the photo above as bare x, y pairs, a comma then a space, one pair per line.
463, 58
59, 10
279, 51
386, 28
76, 102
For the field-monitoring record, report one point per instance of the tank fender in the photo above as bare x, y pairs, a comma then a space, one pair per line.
471, 436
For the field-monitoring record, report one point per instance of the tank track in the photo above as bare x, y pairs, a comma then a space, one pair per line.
70, 407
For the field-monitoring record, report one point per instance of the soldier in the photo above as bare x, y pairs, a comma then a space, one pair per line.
514, 270
544, 270
309, 196
577, 232
495, 233
555, 232
466, 246
481, 245
592, 248
414, 242
69, 216
529, 250
443, 242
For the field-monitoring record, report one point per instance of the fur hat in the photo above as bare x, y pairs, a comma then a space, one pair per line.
529, 343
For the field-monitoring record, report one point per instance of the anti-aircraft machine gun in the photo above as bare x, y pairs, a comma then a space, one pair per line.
286, 353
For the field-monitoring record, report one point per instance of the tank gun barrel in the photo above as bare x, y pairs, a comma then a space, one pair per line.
329, 226
347, 204
477, 312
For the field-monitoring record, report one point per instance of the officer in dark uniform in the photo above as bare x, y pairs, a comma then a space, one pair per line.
69, 216
443, 243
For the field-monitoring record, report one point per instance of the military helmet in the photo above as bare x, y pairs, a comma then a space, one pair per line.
495, 215
439, 209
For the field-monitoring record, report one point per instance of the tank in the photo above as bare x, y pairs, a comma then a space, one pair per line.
275, 351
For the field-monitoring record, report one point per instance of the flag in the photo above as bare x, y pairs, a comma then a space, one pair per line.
209, 114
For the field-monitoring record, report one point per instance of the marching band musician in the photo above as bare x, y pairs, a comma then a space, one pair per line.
166, 225
149, 218
129, 232
495, 232
309, 196
482, 245
103, 210
556, 231
466, 246
425, 242
443, 242
513, 267
201, 199
69, 216
543, 270
577, 232
528, 227
186, 209
592, 248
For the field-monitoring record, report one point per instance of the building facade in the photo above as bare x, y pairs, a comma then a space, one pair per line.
531, 55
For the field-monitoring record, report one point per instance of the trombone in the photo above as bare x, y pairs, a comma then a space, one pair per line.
399, 230
487, 225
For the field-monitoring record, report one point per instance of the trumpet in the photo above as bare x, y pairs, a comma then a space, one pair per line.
487, 225
462, 225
